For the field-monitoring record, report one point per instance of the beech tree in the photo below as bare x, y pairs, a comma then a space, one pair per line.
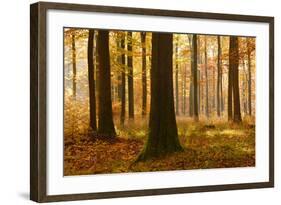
163, 134
144, 87
195, 79
123, 82
73, 64
206, 79
91, 77
105, 123
130, 76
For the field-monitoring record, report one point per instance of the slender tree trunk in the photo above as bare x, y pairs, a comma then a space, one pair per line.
163, 135
244, 88
234, 61
191, 101
97, 70
73, 64
250, 78
123, 82
206, 79
184, 91
105, 123
195, 79
214, 90
230, 81
144, 87
199, 91
221, 93
91, 77
219, 79
119, 73
191, 91
130, 76
177, 79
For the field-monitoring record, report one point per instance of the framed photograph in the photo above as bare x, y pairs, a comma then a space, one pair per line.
134, 102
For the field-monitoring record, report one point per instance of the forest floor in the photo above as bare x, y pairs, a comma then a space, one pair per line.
206, 145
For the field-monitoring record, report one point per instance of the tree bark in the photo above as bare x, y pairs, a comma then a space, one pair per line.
219, 79
250, 77
144, 86
130, 76
163, 135
195, 84
105, 123
191, 77
184, 91
206, 79
123, 82
177, 78
73, 63
234, 62
230, 80
91, 78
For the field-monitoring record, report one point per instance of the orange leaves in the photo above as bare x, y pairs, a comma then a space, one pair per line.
217, 145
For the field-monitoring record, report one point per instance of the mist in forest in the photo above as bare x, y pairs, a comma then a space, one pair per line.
142, 101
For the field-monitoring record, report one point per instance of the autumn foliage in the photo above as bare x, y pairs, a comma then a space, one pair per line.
142, 101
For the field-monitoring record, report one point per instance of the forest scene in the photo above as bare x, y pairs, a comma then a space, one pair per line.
148, 101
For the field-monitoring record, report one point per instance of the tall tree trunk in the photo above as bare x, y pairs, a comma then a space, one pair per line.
73, 64
199, 91
105, 123
214, 90
91, 78
130, 76
206, 79
184, 91
250, 77
191, 101
230, 80
221, 94
144, 86
244, 88
191, 77
119, 73
97, 70
195, 79
177, 79
219, 78
163, 135
234, 62
123, 82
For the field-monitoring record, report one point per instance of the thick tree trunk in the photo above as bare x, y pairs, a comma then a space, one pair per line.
73, 64
130, 76
163, 135
219, 79
206, 79
123, 82
144, 86
105, 123
250, 78
234, 62
177, 79
91, 78
195, 79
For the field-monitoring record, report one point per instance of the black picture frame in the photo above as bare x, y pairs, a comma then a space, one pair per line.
38, 101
